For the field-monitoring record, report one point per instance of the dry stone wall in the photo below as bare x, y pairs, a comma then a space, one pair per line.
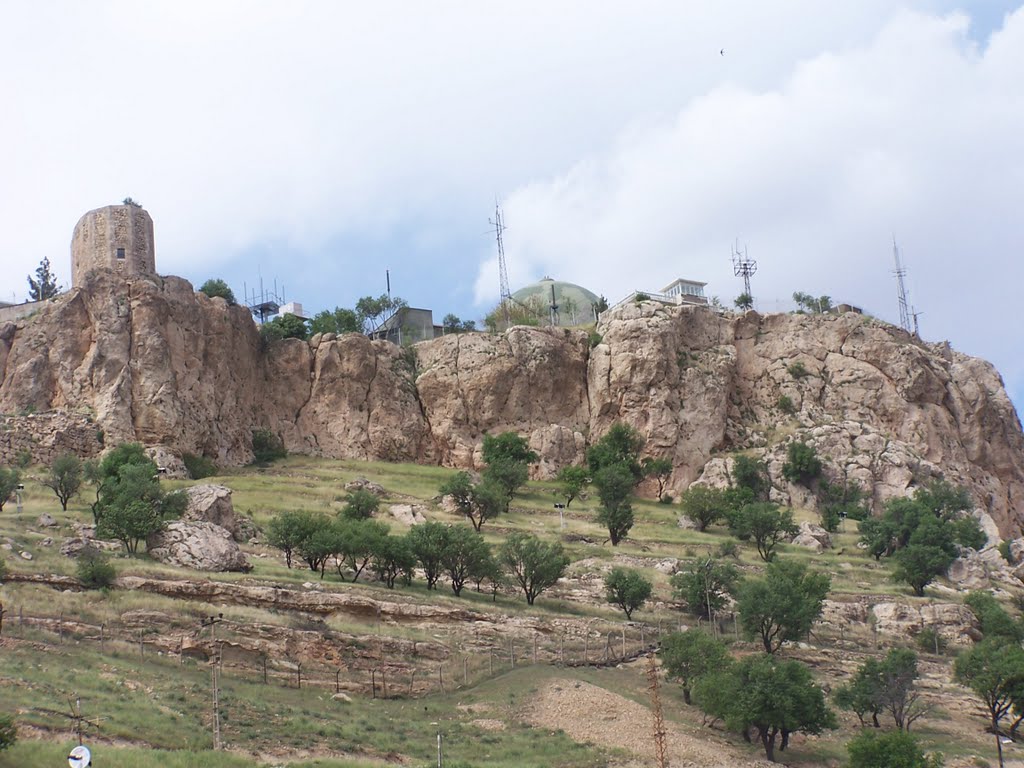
153, 361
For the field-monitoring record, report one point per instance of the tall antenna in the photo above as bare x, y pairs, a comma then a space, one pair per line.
553, 308
506, 295
901, 292
743, 266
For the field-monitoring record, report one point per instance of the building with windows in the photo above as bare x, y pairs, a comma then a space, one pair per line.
686, 292
407, 326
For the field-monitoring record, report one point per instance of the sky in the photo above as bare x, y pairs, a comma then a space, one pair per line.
318, 144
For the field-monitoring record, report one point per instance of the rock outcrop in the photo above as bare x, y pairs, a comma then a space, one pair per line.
150, 360
209, 503
199, 545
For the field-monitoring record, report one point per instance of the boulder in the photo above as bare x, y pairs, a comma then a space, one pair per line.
813, 537
362, 484
168, 461
79, 545
212, 504
407, 514
202, 546
46, 520
25, 555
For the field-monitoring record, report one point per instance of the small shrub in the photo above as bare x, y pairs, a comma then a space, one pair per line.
267, 446
95, 570
930, 641
8, 732
729, 548
641, 297
198, 466
23, 458
786, 405
665, 499
3, 569
1004, 550
594, 338
802, 463
797, 370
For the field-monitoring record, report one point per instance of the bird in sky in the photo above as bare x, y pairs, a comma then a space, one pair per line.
722, 52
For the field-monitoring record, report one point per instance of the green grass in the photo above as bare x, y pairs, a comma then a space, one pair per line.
158, 704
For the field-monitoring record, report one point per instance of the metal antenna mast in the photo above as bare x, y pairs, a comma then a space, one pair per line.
553, 316
901, 292
506, 295
743, 266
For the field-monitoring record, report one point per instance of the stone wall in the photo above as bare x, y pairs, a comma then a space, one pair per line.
48, 435
18, 311
102, 233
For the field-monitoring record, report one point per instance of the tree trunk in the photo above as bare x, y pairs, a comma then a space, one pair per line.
768, 741
686, 694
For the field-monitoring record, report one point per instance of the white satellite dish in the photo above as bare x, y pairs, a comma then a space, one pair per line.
80, 757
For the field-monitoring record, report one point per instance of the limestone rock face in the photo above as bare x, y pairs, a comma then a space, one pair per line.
813, 537
529, 380
199, 545
147, 359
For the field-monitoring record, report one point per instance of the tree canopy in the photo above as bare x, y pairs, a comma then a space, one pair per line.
64, 478
688, 656
340, 320
44, 286
628, 589
217, 287
783, 605
533, 564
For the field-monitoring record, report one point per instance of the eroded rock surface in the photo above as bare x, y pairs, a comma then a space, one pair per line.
147, 359
199, 545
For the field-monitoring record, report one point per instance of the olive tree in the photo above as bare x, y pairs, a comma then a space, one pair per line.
533, 564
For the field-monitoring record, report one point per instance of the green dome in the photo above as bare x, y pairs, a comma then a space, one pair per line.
575, 303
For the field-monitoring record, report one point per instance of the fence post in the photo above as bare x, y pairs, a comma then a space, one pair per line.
561, 649
586, 648
490, 662
264, 670
298, 674
512, 652
373, 681
142, 648
623, 642
384, 682
440, 677
102, 638
465, 671
337, 680
60, 626
535, 648
412, 681
643, 638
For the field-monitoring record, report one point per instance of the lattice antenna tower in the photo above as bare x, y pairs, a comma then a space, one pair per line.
901, 292
498, 222
660, 750
553, 316
743, 266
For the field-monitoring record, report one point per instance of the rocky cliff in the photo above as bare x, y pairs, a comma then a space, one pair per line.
149, 359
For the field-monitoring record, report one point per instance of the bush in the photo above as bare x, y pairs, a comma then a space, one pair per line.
627, 589
894, 749
797, 370
1004, 550
594, 338
360, 504
729, 548
3, 569
267, 446
8, 732
217, 287
930, 641
802, 463
23, 458
752, 475
198, 466
786, 405
95, 570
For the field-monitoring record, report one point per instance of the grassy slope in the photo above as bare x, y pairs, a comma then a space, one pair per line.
161, 704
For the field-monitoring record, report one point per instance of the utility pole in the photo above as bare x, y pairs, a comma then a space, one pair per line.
215, 661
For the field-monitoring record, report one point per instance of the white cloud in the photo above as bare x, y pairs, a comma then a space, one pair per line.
917, 133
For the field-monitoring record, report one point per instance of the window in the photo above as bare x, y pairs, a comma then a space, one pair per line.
120, 253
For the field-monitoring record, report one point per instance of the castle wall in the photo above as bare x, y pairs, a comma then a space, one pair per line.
117, 237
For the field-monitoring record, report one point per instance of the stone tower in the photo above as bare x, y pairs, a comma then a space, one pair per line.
117, 237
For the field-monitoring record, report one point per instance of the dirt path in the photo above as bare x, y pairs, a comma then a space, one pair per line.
591, 714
